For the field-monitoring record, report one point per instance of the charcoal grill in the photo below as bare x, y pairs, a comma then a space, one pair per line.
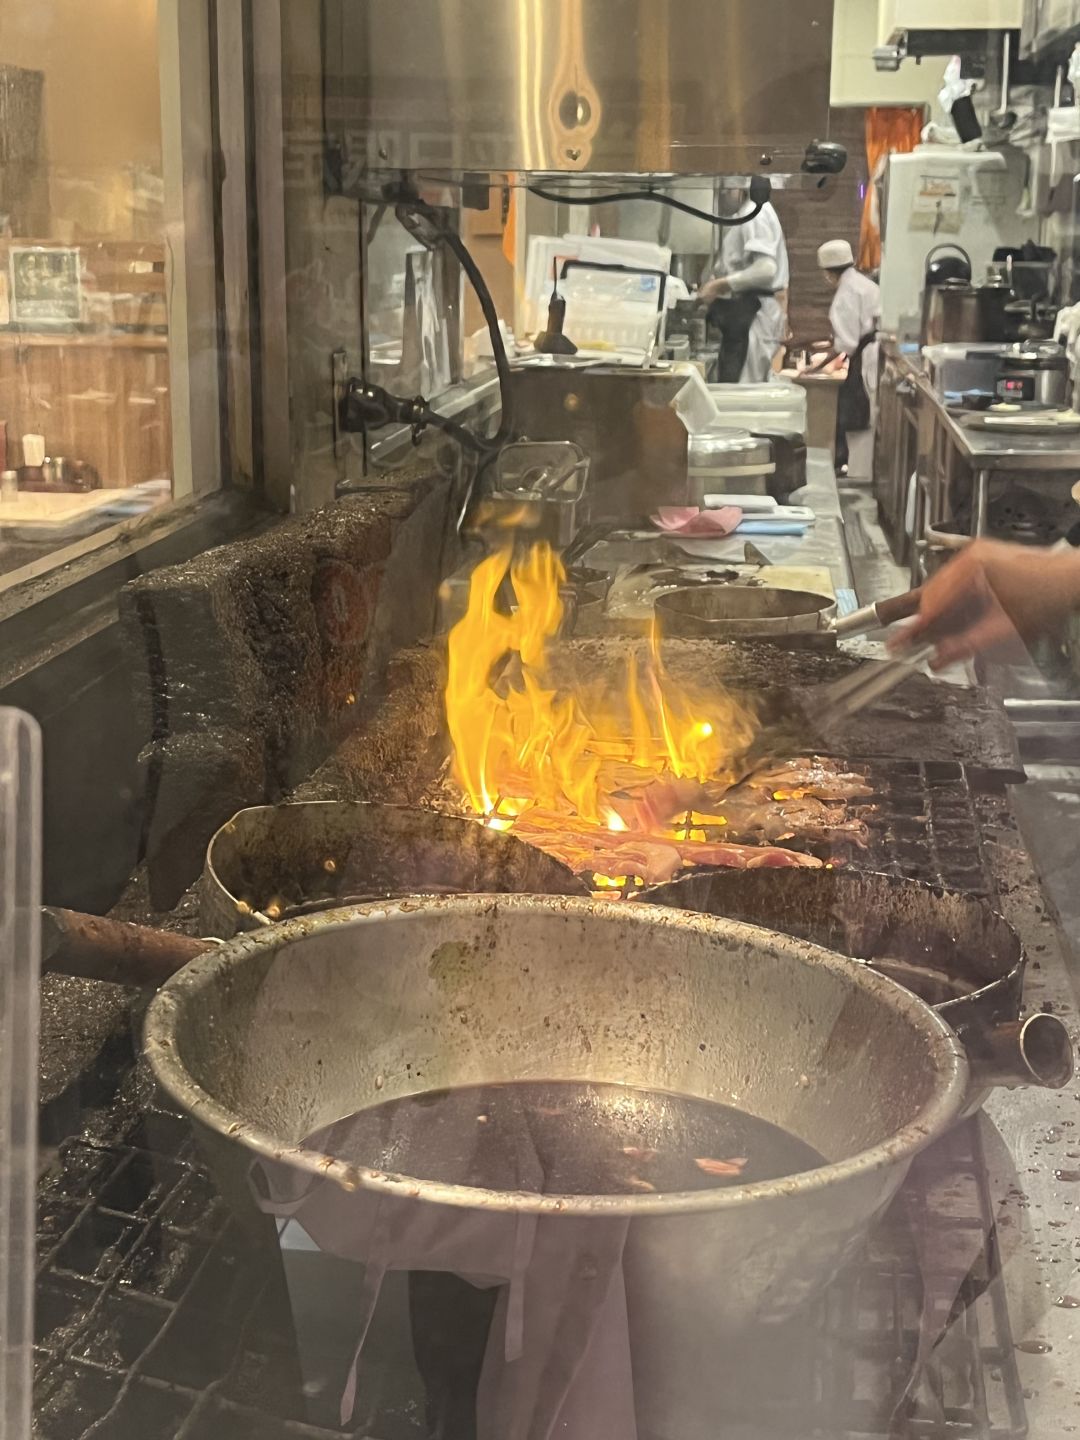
183, 1331
181, 1281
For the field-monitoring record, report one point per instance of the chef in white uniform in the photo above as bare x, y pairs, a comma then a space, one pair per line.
855, 315
748, 279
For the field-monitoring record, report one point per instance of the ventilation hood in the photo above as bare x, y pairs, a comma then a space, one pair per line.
605, 87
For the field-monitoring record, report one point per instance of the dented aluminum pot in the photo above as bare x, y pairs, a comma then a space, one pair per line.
282, 1031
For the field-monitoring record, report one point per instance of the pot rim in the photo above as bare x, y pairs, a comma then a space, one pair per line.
811, 612
166, 1011
953, 1010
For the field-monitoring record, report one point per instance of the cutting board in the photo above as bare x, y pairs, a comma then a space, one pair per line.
814, 579
33, 511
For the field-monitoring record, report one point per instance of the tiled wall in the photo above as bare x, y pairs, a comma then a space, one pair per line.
809, 218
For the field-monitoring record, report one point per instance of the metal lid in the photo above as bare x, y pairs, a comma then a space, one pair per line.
1038, 355
738, 446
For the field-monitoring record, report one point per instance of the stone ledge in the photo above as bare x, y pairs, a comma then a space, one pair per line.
254, 660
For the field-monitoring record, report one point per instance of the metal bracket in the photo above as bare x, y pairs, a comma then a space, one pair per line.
341, 368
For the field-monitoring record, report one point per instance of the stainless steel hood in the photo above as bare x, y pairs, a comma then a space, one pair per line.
676, 87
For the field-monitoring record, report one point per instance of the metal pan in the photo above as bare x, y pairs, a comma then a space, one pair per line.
954, 951
273, 862
746, 612
287, 861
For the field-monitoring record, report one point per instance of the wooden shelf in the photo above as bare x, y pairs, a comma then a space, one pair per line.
69, 340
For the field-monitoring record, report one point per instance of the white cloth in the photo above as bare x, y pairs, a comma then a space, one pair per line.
767, 333
558, 1363
855, 311
754, 257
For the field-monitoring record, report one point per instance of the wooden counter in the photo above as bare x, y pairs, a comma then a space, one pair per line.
100, 393
98, 397
822, 396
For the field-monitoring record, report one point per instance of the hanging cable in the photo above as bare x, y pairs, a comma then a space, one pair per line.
453, 240
759, 192
365, 405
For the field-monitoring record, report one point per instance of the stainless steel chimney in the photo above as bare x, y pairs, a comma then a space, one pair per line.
676, 87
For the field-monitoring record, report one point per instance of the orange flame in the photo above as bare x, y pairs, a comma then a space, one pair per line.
519, 742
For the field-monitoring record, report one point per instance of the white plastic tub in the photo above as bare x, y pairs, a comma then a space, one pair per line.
773, 405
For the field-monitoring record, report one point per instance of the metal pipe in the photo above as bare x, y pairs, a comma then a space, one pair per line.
1036, 1051
982, 501
1006, 59
1048, 710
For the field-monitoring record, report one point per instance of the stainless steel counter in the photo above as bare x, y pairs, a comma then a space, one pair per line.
954, 462
633, 558
990, 450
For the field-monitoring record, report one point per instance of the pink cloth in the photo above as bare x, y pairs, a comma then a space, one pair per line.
688, 520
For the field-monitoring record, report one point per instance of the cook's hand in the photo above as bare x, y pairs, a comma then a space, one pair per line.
713, 290
991, 598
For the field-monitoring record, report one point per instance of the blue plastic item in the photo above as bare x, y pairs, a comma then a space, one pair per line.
761, 527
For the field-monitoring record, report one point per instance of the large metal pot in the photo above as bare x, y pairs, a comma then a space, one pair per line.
728, 461
953, 950
283, 1031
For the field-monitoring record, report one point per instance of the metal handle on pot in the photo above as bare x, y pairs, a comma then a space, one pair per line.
1036, 1051
879, 615
94, 948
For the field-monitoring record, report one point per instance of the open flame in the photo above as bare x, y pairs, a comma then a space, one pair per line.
524, 745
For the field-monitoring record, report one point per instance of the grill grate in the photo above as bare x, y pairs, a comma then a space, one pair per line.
159, 1319
924, 825
922, 815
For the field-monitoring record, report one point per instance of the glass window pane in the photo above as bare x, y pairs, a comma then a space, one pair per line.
89, 272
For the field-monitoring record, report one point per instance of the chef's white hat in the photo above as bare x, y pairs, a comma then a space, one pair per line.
834, 254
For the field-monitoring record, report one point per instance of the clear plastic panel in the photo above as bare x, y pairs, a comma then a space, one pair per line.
20, 886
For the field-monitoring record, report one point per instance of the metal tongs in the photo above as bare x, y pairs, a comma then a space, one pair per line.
824, 708
841, 699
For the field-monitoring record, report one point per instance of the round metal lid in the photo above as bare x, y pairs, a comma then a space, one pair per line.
1039, 355
738, 444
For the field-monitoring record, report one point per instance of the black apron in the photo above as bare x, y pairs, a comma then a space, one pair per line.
853, 403
730, 319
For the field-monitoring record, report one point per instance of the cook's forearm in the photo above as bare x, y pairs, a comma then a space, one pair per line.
760, 274
1070, 561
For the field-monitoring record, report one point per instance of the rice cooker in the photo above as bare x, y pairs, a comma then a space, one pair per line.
1034, 374
728, 461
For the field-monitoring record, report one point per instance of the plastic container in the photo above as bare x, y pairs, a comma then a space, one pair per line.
20, 897
773, 405
959, 367
612, 310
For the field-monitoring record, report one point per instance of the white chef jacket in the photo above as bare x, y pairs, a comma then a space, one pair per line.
855, 312
754, 256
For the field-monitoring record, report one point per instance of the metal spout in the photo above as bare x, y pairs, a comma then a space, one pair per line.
1035, 1051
